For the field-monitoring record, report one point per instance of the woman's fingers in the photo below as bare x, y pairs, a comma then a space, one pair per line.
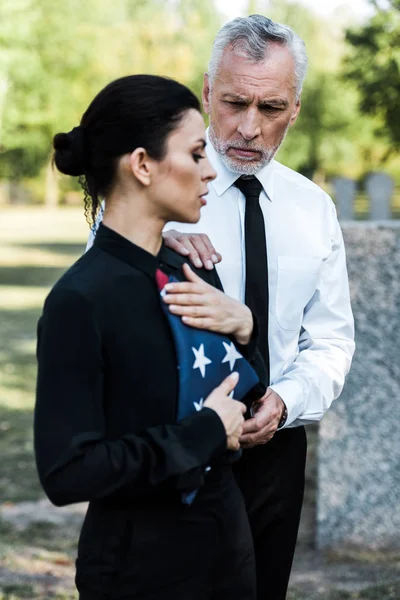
190, 311
187, 299
191, 275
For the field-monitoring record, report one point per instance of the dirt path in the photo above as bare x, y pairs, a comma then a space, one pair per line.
38, 544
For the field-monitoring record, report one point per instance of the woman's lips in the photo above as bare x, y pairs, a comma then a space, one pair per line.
203, 199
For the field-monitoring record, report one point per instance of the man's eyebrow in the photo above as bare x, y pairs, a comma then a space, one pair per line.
262, 104
235, 97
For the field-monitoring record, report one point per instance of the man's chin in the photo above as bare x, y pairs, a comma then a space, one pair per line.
243, 166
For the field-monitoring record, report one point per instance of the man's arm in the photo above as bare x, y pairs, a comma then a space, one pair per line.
326, 343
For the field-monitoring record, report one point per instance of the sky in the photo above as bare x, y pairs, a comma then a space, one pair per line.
359, 8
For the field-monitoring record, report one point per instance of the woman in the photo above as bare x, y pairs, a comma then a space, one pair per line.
107, 391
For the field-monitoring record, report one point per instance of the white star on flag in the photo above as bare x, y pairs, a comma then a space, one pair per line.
232, 355
199, 405
201, 360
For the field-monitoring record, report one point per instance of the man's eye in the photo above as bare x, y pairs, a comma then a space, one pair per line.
197, 157
236, 104
268, 108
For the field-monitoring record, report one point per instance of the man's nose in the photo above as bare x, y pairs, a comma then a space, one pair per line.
249, 126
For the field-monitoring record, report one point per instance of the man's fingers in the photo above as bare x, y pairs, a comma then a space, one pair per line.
251, 426
198, 242
214, 256
185, 241
254, 439
172, 240
196, 246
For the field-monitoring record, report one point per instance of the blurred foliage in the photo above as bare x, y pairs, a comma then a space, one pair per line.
54, 57
331, 136
373, 64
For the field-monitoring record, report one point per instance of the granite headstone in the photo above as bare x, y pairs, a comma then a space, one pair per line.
359, 445
379, 188
345, 193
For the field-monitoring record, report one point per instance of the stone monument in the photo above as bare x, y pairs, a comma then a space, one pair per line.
359, 445
345, 193
379, 188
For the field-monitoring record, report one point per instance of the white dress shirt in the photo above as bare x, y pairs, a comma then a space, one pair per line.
311, 328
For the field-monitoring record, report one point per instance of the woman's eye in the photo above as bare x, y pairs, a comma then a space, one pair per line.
197, 157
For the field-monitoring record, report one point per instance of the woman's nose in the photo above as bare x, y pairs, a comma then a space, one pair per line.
208, 173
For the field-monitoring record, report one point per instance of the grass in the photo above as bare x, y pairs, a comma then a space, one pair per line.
36, 248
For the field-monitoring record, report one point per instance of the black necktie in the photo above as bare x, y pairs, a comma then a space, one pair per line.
256, 294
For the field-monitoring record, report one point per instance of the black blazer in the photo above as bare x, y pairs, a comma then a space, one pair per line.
107, 388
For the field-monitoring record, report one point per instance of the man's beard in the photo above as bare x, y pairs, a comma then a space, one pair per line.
243, 166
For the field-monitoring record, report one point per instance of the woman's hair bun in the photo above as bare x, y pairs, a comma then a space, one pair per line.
69, 155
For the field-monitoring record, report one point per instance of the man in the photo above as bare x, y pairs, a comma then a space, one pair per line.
284, 256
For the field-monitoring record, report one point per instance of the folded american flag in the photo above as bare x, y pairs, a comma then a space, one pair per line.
205, 359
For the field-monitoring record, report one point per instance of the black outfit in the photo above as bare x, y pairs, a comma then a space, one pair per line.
106, 432
271, 479
270, 476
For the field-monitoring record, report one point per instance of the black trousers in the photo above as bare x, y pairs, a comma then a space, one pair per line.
171, 552
271, 478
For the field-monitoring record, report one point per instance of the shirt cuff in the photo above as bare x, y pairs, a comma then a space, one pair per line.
292, 395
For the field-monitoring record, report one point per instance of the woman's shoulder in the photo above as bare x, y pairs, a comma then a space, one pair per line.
81, 281
174, 262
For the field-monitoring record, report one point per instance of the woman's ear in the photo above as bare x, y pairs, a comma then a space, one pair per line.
140, 165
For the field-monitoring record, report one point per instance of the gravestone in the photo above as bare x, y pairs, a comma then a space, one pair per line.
379, 188
345, 193
359, 444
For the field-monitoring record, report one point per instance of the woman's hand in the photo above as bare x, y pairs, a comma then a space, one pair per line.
229, 411
202, 306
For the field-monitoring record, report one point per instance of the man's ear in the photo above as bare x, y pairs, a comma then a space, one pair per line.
296, 112
206, 94
140, 164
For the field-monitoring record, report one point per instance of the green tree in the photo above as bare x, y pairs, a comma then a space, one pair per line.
54, 57
373, 64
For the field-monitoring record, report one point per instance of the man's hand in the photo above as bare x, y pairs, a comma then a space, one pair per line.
203, 306
261, 428
196, 246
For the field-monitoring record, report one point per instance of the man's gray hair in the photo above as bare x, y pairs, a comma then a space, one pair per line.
250, 37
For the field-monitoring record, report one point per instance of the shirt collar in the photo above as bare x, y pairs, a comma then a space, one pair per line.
226, 178
112, 242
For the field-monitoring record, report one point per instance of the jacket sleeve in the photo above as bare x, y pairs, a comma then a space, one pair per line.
76, 460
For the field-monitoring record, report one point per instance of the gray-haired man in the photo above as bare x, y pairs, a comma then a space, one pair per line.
291, 272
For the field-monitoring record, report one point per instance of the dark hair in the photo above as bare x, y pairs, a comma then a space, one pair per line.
131, 112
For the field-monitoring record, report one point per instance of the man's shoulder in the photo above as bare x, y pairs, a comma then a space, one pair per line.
296, 180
